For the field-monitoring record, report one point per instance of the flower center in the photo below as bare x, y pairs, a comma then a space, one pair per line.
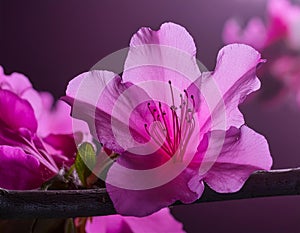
172, 126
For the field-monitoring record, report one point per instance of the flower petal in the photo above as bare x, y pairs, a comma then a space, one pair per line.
63, 148
150, 200
16, 113
161, 221
20, 171
244, 151
15, 82
54, 119
156, 57
233, 79
33, 97
110, 223
169, 34
233, 62
115, 112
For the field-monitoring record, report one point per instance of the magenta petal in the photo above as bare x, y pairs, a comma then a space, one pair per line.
83, 94
152, 199
169, 34
16, 113
161, 221
54, 119
63, 148
33, 97
244, 151
47, 100
110, 224
20, 171
202, 100
233, 62
112, 109
15, 82
156, 57
233, 79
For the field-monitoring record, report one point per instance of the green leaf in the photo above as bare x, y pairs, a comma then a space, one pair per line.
85, 161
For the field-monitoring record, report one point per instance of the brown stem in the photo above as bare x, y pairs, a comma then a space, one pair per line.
92, 202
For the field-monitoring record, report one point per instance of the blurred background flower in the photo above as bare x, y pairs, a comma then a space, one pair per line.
277, 36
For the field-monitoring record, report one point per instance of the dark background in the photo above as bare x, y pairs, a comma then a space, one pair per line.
52, 41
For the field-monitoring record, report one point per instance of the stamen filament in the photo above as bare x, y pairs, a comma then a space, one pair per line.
181, 128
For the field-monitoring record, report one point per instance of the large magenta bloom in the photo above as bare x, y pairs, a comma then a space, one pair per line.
33, 144
173, 126
161, 221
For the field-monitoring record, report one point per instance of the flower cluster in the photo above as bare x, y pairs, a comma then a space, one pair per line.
36, 139
169, 129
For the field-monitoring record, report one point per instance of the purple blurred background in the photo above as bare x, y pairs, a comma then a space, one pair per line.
52, 41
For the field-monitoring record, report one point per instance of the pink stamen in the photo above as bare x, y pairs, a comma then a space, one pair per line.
182, 126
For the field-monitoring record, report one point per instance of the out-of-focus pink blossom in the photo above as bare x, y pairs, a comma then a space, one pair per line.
254, 34
282, 23
36, 140
279, 41
161, 221
173, 127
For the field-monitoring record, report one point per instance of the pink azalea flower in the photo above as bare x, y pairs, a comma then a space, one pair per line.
283, 20
173, 127
33, 145
161, 221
